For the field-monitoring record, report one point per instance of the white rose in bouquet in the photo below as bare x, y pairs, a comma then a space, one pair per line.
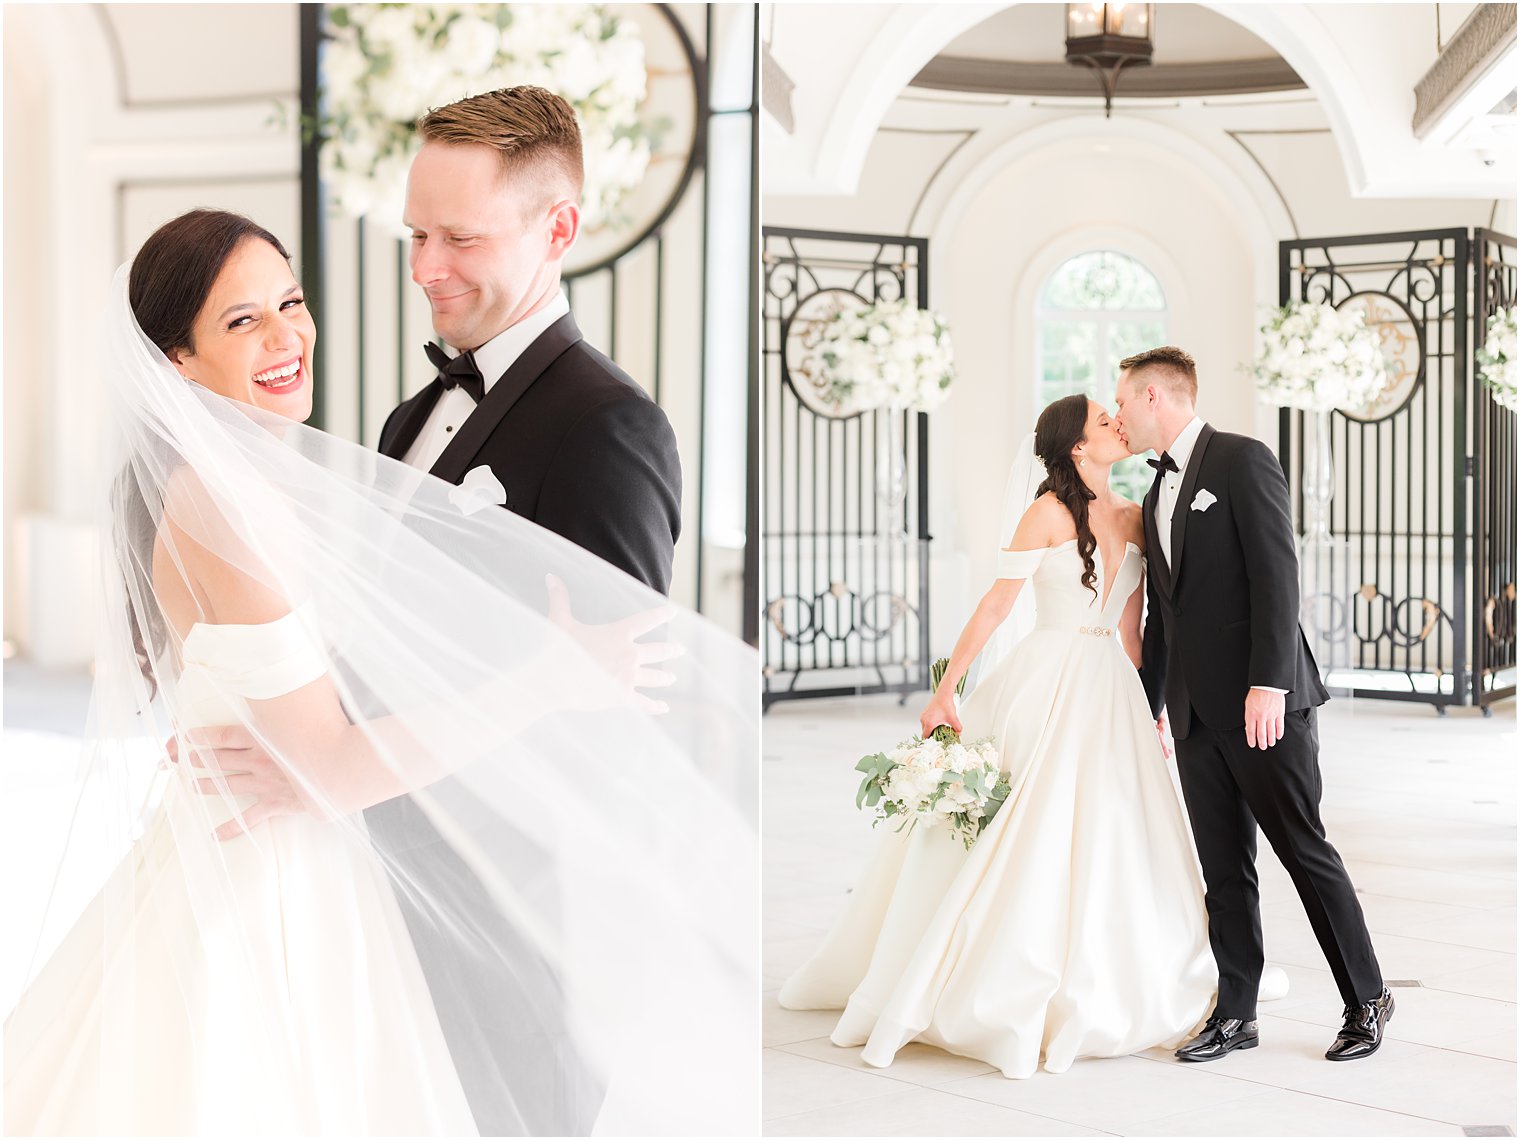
922, 780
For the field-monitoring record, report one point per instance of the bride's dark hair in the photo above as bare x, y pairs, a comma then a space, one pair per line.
1060, 428
169, 281
174, 270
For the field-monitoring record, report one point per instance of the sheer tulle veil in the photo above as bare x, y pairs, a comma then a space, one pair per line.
546, 825
1024, 479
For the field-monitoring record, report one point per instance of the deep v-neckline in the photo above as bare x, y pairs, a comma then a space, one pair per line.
1108, 591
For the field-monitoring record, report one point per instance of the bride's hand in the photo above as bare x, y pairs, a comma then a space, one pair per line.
612, 645
1166, 751
940, 710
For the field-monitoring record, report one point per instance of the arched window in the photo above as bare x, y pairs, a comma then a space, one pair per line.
1093, 311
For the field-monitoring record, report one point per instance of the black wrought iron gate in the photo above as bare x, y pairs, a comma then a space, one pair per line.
1425, 480
845, 575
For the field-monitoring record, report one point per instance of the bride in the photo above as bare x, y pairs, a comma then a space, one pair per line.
1074, 926
381, 636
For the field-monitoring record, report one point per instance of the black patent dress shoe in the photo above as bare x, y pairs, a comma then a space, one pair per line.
1220, 1035
1363, 1031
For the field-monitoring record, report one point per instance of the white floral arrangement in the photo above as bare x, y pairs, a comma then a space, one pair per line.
1497, 361
955, 786
1313, 356
386, 65
890, 355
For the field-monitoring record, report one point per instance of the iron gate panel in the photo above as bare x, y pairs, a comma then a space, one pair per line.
845, 580
1494, 477
1400, 618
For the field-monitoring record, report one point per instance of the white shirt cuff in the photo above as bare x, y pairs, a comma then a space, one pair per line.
1270, 689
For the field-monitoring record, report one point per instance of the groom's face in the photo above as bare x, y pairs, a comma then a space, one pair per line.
486, 248
1137, 413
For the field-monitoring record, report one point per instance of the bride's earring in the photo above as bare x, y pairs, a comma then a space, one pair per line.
1082, 462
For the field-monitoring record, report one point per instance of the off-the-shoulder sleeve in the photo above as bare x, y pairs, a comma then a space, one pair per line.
262, 661
1019, 563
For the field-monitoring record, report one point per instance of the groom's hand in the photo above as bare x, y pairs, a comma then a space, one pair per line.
1264, 718
247, 770
626, 662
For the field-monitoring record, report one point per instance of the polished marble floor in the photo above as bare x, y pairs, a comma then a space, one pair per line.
1423, 811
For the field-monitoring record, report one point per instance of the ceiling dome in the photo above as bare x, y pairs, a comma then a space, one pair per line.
1022, 51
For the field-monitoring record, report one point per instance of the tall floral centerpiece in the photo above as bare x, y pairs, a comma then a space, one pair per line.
1497, 364
386, 65
1315, 357
890, 355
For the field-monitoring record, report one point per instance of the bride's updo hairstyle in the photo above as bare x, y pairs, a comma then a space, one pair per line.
173, 272
1060, 428
169, 281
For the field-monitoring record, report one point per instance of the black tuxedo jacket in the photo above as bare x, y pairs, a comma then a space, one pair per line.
1224, 615
579, 447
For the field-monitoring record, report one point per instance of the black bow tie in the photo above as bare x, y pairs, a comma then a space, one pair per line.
459, 371
1164, 464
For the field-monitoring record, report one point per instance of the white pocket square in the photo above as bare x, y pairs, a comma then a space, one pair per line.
1203, 500
480, 488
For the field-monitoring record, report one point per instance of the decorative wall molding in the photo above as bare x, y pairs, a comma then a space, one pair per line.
1479, 44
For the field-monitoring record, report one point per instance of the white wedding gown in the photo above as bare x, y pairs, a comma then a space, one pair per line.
298, 1007
1075, 925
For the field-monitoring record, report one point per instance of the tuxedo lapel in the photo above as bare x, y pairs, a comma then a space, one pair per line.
1184, 506
415, 415
1156, 563
478, 426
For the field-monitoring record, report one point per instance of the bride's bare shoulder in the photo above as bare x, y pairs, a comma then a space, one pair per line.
1044, 523
200, 553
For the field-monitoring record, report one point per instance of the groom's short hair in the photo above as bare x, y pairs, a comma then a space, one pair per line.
1169, 364
533, 130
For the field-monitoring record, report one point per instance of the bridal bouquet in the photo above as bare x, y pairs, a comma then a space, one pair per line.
1497, 361
940, 781
890, 355
385, 65
1313, 356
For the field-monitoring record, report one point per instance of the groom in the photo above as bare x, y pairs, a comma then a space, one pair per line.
1224, 653
492, 204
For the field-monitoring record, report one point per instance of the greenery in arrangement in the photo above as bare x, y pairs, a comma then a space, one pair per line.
1497, 366
386, 65
889, 355
1313, 356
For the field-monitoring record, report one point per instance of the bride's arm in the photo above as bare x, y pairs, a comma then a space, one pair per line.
1129, 626
300, 752
1036, 529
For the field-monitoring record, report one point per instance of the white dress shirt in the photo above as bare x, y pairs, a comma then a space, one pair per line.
1171, 486
493, 359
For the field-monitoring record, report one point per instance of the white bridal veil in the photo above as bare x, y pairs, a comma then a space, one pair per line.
557, 849
1024, 479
